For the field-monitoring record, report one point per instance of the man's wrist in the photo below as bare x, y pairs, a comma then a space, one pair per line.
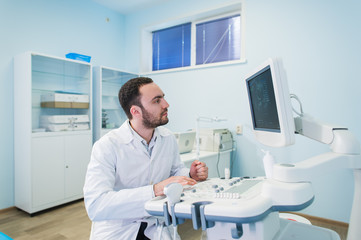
195, 177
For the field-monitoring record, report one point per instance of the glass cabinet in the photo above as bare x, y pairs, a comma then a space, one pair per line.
108, 113
61, 93
52, 129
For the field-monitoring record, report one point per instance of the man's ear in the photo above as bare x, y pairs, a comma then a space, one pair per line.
136, 111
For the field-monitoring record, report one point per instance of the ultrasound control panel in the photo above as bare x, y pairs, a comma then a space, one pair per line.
234, 188
237, 201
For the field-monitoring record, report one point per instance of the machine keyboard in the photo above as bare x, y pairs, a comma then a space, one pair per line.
234, 188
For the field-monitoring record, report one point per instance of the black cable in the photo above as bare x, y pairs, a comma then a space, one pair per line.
233, 154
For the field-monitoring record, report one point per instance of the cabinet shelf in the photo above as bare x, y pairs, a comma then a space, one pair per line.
54, 75
109, 96
63, 133
47, 91
72, 105
115, 76
112, 109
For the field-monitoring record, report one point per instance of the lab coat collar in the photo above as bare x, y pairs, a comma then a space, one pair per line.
140, 138
128, 135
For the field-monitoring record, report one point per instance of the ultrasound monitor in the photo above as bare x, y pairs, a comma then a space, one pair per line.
270, 104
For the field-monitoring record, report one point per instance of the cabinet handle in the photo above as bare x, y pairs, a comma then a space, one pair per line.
66, 166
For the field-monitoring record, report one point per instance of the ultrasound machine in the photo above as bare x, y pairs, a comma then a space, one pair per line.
247, 208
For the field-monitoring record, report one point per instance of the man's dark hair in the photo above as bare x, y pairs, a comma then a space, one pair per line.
129, 93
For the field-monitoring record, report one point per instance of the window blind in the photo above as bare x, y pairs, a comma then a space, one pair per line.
218, 40
171, 47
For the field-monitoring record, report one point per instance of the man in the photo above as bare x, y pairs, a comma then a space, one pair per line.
132, 164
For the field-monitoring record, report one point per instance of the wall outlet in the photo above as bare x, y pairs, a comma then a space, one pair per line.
239, 129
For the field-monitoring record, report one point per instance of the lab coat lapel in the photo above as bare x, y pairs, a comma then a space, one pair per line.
158, 144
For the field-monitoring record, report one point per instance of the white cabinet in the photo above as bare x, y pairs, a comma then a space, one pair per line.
108, 113
47, 170
50, 164
75, 170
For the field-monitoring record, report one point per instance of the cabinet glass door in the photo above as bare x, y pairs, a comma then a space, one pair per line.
112, 115
60, 87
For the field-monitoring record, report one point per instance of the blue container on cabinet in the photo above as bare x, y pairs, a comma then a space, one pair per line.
77, 56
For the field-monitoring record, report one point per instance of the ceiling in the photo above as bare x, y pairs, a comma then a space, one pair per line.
129, 6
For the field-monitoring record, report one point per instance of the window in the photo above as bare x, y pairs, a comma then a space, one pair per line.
207, 38
171, 47
218, 40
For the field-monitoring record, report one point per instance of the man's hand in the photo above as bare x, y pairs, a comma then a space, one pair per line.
159, 187
199, 171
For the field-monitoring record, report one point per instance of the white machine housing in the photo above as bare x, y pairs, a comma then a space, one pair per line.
57, 123
239, 208
185, 141
269, 80
215, 140
345, 154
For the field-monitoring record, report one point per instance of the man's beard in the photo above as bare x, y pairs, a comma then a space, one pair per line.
150, 121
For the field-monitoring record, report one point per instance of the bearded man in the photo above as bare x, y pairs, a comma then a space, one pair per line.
132, 164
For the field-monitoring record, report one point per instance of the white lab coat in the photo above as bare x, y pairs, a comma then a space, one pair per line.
120, 180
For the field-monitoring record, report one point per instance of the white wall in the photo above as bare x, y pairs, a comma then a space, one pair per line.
54, 28
319, 42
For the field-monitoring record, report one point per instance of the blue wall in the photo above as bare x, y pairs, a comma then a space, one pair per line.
53, 28
318, 41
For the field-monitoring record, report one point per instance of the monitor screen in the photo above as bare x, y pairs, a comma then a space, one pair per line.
263, 102
270, 104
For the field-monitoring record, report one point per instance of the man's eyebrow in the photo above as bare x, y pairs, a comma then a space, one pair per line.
158, 96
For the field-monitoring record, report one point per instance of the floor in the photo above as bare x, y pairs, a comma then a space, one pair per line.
70, 221
67, 222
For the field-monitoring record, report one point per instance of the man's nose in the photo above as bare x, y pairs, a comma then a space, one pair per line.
165, 104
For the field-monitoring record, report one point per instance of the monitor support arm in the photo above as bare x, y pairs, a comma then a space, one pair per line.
344, 145
345, 154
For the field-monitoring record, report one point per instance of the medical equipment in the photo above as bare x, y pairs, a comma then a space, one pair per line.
185, 141
203, 119
238, 208
173, 192
270, 104
273, 126
57, 123
216, 162
268, 162
247, 208
215, 140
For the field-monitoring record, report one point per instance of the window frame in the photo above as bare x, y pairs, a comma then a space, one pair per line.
209, 15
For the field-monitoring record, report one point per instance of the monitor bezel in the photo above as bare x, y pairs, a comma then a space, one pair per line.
286, 135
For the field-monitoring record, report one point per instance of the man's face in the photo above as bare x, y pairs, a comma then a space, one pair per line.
154, 106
